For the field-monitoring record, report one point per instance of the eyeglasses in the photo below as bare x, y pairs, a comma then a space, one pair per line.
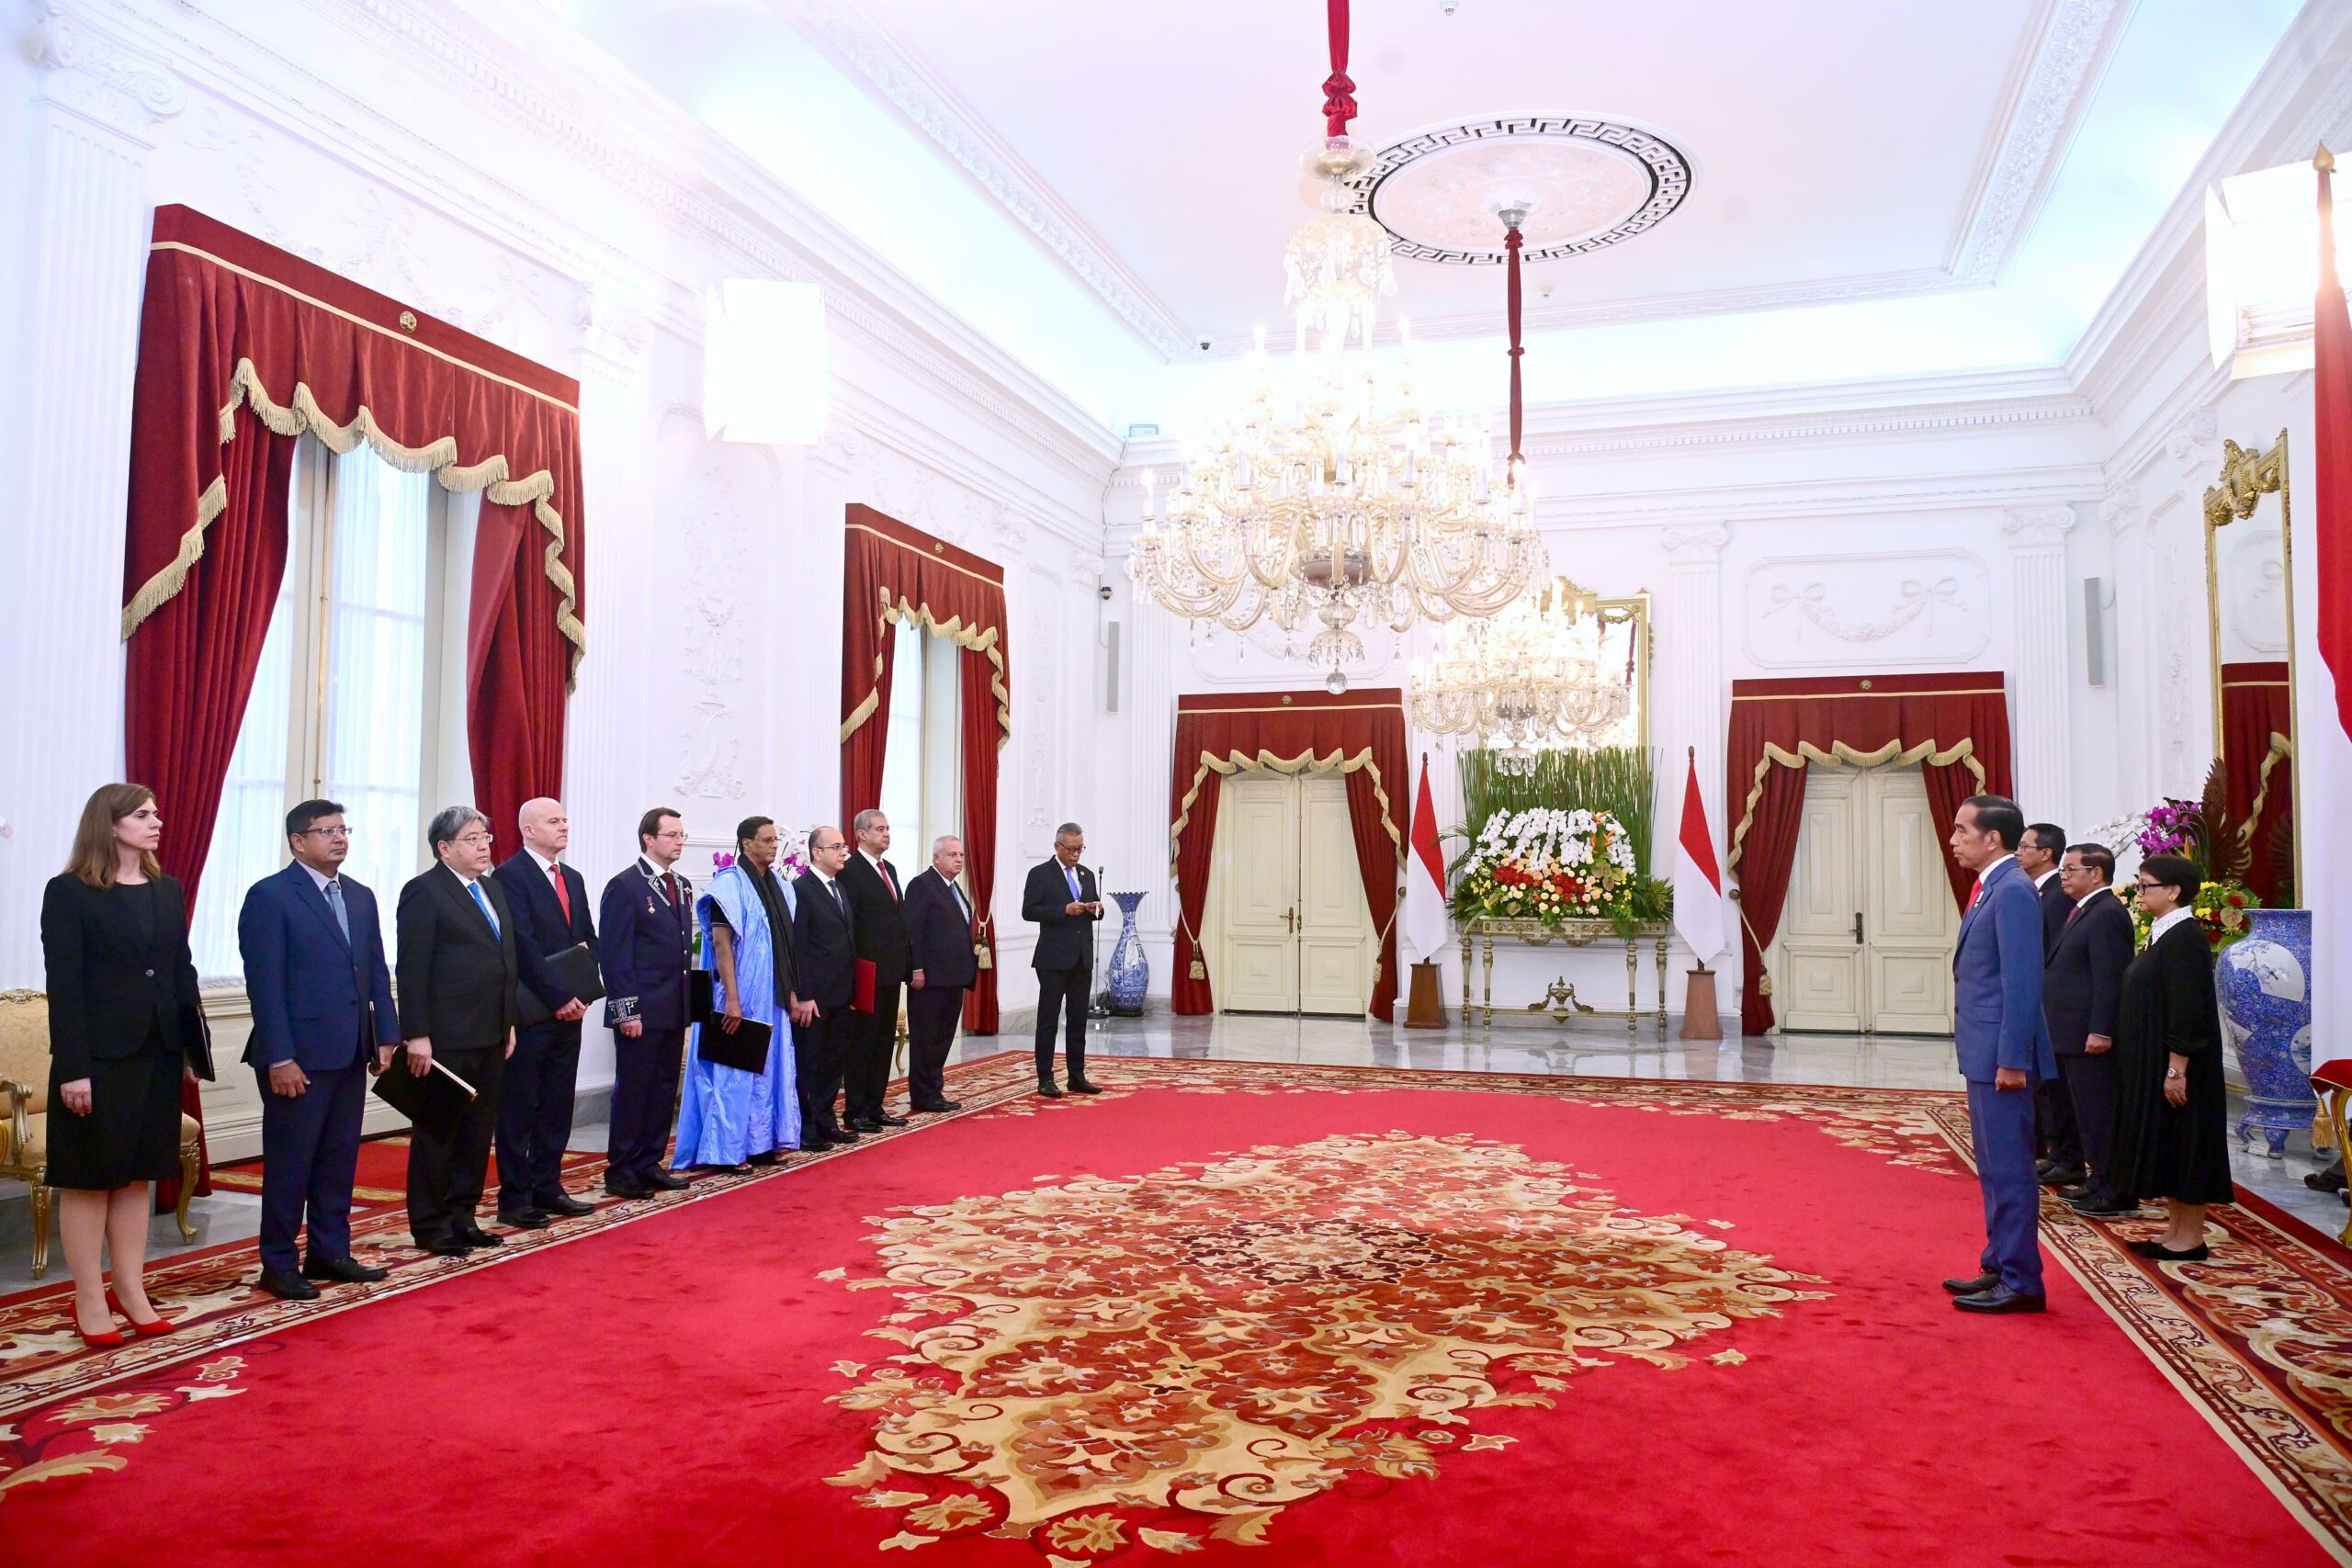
678, 836
326, 832
473, 838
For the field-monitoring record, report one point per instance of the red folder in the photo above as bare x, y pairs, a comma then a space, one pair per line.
860, 996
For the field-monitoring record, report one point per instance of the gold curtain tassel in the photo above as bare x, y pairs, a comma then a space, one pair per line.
980, 956
1200, 970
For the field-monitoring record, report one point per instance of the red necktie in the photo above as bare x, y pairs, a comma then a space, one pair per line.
562, 893
670, 887
2072, 915
1974, 894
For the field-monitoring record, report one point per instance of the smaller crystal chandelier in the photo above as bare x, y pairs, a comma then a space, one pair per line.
1528, 678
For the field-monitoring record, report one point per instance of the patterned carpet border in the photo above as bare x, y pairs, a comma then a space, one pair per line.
2259, 1338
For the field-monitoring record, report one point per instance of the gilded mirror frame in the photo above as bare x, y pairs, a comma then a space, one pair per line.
2247, 476
1634, 610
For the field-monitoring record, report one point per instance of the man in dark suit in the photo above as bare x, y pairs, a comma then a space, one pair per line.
535, 1091
321, 999
2056, 1139
878, 909
2004, 1047
2079, 994
646, 948
1064, 904
824, 937
458, 970
939, 923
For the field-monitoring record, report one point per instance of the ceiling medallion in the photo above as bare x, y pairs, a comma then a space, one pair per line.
1587, 184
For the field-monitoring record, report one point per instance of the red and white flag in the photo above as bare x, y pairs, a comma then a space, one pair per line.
1425, 927
2325, 754
1698, 885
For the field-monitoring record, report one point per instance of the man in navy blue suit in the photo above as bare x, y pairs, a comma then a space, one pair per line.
647, 916
551, 904
2004, 1045
321, 996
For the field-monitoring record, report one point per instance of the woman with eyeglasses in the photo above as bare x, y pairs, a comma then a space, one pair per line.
126, 1026
2171, 1132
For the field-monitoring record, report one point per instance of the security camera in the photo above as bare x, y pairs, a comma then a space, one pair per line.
1447, 7
1105, 592
1205, 346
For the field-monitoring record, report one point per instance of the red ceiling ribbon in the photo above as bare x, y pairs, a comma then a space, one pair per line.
1512, 241
1339, 88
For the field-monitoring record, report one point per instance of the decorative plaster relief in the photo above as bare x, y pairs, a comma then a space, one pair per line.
1924, 608
100, 77
2255, 567
714, 490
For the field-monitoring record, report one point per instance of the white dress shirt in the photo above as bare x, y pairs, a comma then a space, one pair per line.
2167, 922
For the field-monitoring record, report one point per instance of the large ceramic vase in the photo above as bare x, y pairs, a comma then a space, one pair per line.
2264, 979
1130, 973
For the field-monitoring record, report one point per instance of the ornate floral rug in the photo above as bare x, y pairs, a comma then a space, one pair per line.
1228, 1311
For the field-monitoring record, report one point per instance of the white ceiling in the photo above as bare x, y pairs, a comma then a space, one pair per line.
1883, 187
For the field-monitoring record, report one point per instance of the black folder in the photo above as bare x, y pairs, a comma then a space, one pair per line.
576, 967
746, 1048
434, 1102
702, 1006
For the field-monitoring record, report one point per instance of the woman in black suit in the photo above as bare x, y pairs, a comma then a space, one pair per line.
125, 1027
2171, 1111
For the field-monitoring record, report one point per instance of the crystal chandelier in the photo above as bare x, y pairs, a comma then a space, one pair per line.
1329, 496
1530, 677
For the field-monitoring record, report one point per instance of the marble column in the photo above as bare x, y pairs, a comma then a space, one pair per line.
800, 766
2131, 671
99, 98
1687, 686
2041, 671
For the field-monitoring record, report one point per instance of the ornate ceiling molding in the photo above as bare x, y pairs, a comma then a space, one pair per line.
926, 107
2074, 43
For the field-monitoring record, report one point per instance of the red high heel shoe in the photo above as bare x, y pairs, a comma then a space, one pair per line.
114, 1304
105, 1341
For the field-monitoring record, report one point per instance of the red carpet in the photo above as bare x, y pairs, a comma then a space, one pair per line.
383, 1175
1237, 1314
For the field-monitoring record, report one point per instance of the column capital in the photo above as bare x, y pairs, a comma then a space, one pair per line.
89, 70
2037, 527
2120, 509
616, 328
2192, 438
1696, 546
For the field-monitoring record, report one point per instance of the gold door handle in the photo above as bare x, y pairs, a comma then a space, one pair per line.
1858, 927
1290, 920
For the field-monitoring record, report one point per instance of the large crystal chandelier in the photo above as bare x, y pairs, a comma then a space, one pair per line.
1329, 496
1528, 678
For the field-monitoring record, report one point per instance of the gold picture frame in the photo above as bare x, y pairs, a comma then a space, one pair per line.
2247, 476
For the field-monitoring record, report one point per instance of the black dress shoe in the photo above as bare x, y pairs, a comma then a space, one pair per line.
287, 1285
2328, 1181
663, 1181
1080, 1085
628, 1187
890, 1120
517, 1219
341, 1271
937, 1107
864, 1124
2163, 1254
478, 1239
447, 1247
766, 1156
839, 1135
563, 1204
2064, 1176
2099, 1206
1974, 1285
2000, 1297
726, 1169
1050, 1088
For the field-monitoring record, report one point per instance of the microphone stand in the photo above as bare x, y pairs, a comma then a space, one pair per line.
1098, 1003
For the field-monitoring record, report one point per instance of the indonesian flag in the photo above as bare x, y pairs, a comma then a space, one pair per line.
2325, 753
2331, 392
1425, 928
1698, 885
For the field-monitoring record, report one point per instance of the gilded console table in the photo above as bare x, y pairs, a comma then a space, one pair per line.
1560, 1000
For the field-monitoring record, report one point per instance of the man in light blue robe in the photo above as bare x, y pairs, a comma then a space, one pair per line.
727, 1117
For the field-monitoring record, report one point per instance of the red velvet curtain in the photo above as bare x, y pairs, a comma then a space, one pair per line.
1957, 724
1256, 728
2257, 725
893, 572
243, 347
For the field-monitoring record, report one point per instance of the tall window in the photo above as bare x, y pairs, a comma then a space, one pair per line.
922, 771
344, 703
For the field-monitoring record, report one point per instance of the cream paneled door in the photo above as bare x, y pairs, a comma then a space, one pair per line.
1867, 932
1295, 931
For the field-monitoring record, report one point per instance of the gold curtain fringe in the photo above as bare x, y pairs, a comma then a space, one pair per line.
986, 640
438, 457
1841, 755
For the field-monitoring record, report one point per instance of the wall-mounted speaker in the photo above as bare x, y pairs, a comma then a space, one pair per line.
2098, 612
1111, 667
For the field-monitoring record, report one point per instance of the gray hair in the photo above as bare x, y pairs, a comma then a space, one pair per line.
866, 818
448, 822
939, 845
1070, 830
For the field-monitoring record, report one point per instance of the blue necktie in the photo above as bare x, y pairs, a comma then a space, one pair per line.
334, 902
475, 888
1071, 872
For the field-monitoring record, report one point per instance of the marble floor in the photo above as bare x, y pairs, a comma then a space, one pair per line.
1593, 1050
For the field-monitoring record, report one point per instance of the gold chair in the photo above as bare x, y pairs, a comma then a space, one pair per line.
24, 1116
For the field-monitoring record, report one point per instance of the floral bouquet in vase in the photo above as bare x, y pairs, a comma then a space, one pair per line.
1546, 864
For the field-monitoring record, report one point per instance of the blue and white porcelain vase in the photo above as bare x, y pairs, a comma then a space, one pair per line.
1130, 973
2264, 979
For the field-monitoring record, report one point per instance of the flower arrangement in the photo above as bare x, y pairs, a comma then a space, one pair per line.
2220, 914
2205, 832
791, 854
1547, 865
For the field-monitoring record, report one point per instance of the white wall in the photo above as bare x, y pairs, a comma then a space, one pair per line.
546, 202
